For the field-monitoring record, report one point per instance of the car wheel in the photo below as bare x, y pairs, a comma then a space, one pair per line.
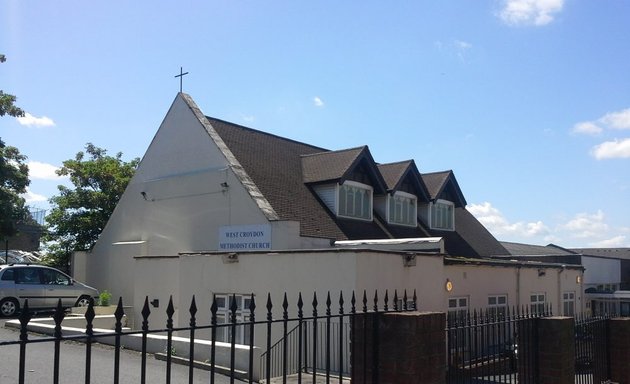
8, 307
83, 301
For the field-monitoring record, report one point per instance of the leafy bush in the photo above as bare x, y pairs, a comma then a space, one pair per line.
104, 298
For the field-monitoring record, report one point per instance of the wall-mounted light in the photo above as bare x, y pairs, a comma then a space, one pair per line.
449, 285
225, 184
578, 279
541, 272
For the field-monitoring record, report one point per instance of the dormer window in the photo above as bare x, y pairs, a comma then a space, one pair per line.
355, 201
443, 215
402, 209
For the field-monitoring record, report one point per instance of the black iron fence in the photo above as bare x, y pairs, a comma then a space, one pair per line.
496, 345
309, 345
591, 349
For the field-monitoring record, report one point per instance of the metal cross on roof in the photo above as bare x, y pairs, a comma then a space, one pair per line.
181, 76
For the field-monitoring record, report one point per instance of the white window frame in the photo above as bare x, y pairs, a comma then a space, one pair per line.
458, 305
368, 193
404, 204
435, 222
537, 302
497, 305
568, 303
242, 315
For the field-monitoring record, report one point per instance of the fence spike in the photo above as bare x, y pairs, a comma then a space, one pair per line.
269, 307
213, 309
405, 300
376, 301
365, 308
396, 300
170, 310
252, 305
300, 305
386, 301
314, 303
146, 311
25, 317
353, 302
285, 307
192, 311
341, 302
415, 300
328, 303
89, 317
58, 316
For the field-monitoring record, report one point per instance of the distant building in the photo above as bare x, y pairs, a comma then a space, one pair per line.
606, 283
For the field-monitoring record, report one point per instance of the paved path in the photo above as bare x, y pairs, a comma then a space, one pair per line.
39, 365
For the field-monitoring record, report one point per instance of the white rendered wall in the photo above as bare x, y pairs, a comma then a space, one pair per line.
477, 282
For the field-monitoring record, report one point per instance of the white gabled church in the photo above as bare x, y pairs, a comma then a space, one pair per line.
216, 208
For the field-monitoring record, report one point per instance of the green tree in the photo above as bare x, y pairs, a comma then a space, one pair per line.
13, 181
7, 101
78, 215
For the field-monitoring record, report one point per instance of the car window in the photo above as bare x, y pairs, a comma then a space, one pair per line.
8, 275
27, 276
52, 277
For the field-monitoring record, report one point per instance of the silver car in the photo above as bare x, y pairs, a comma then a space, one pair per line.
42, 286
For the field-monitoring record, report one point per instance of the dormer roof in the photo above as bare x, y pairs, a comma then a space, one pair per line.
340, 165
443, 185
395, 174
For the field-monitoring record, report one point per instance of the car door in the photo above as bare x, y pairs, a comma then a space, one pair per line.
57, 286
28, 285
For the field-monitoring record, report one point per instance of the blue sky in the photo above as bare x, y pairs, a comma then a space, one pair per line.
527, 101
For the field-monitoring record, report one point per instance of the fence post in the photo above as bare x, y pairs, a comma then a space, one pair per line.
619, 344
411, 347
556, 350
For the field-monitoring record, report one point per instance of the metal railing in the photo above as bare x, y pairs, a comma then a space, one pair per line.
493, 345
591, 349
320, 344
320, 350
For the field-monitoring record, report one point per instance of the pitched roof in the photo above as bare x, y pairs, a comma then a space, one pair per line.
395, 174
278, 167
331, 165
441, 183
617, 253
339, 165
519, 249
470, 237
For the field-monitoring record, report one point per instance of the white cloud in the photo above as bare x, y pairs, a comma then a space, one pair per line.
463, 45
585, 225
43, 171
33, 121
613, 242
530, 12
496, 223
32, 197
617, 120
615, 149
587, 128
318, 102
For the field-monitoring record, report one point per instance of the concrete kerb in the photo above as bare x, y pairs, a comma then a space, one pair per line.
156, 344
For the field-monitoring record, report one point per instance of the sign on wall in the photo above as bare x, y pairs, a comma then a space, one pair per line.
245, 237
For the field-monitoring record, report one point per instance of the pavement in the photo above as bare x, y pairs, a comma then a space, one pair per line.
39, 364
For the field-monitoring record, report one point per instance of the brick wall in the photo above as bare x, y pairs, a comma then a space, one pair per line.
399, 348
